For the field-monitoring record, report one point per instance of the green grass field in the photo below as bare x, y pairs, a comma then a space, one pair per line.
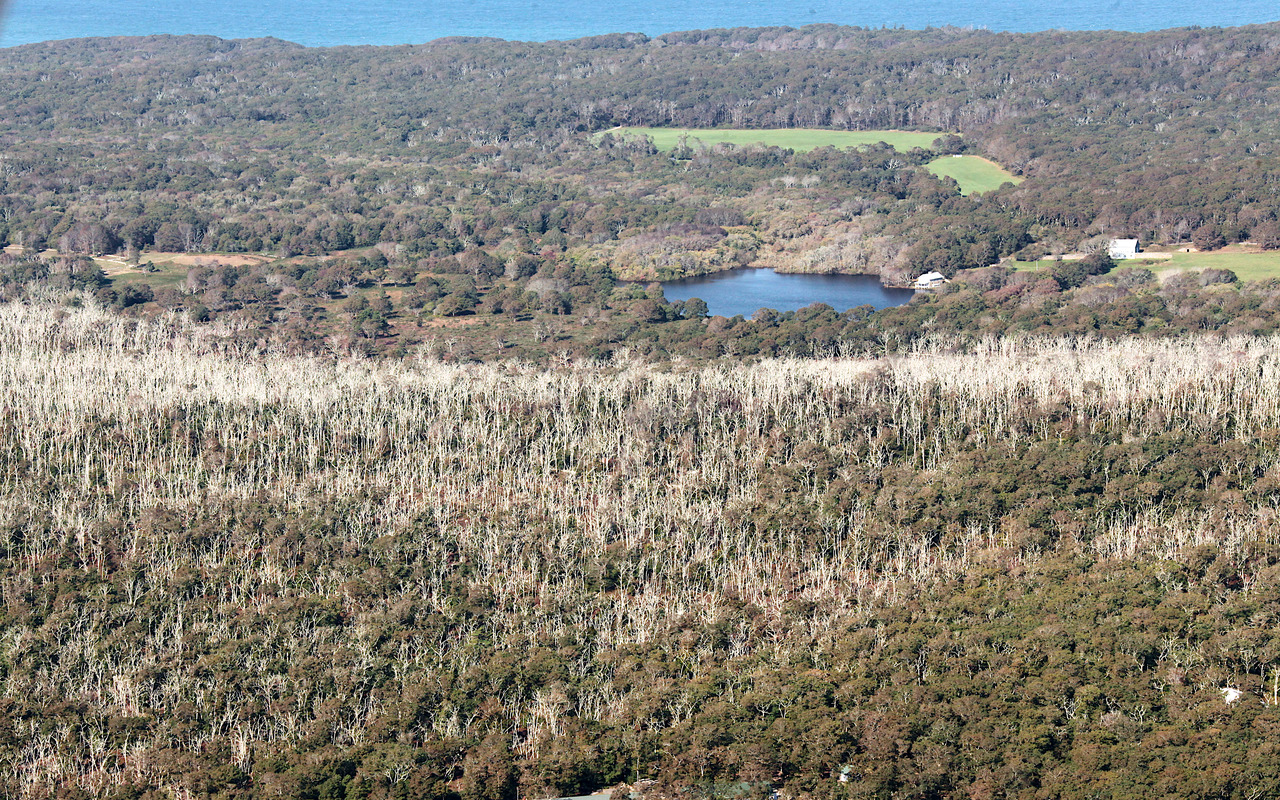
973, 173
166, 273
795, 138
1246, 266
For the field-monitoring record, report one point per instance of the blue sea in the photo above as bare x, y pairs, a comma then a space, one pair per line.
335, 22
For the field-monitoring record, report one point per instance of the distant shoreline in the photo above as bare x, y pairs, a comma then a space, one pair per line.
332, 24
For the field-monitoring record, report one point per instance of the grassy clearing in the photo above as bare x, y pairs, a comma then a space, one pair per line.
164, 275
162, 272
973, 173
169, 269
1246, 266
799, 139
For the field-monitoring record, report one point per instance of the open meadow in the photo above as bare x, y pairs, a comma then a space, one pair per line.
973, 173
1247, 266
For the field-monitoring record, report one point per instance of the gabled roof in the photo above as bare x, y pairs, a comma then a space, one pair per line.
1120, 248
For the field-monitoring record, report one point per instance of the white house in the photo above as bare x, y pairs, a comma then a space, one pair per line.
1123, 248
930, 280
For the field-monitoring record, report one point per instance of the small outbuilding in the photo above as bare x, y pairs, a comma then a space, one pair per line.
930, 280
1123, 248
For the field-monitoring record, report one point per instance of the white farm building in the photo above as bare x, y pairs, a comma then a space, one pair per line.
1123, 248
930, 280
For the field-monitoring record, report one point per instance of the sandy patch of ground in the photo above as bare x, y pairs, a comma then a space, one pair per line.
207, 259
452, 322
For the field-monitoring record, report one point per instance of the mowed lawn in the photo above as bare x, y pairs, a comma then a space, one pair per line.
799, 139
973, 173
1246, 266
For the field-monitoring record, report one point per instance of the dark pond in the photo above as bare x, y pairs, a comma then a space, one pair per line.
745, 291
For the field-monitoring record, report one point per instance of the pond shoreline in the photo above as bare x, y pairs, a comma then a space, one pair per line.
746, 290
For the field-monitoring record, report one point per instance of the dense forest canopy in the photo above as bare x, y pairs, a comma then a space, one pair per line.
350, 450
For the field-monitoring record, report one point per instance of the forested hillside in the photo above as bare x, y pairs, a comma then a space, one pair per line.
199, 144
1025, 571
350, 449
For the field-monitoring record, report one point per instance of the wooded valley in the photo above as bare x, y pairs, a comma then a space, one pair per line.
350, 448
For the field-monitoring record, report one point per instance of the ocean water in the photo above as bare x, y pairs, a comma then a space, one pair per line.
338, 22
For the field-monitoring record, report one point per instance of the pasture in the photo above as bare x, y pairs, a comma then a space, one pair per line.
973, 173
1247, 266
